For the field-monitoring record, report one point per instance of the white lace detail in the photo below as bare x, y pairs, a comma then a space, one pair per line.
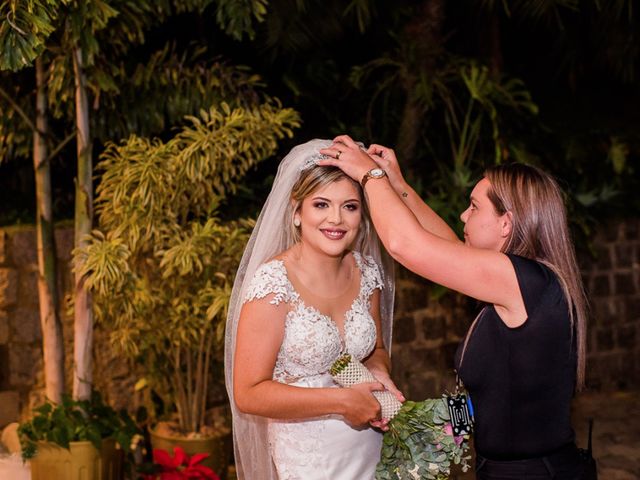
312, 341
271, 278
294, 446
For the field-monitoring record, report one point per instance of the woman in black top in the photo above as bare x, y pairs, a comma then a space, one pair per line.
524, 354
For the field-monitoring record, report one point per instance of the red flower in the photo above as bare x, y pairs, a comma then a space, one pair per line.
180, 466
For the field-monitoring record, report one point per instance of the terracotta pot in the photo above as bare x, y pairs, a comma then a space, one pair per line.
218, 447
81, 462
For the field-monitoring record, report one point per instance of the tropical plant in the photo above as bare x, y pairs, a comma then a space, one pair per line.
80, 53
74, 421
161, 264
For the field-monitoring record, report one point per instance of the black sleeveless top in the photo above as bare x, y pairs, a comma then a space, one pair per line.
521, 380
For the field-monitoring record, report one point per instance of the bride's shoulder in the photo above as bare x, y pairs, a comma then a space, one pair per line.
270, 278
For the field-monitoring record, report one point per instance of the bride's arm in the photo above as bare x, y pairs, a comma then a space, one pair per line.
259, 336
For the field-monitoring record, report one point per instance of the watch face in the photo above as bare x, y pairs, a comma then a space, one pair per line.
376, 172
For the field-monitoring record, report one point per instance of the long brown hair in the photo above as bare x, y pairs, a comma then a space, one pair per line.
540, 232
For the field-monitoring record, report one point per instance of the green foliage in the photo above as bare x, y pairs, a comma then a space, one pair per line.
24, 29
158, 91
462, 104
72, 421
417, 445
161, 265
236, 17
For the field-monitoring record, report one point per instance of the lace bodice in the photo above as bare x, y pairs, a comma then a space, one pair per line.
312, 341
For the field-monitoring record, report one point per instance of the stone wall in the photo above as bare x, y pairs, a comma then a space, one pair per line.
613, 281
427, 329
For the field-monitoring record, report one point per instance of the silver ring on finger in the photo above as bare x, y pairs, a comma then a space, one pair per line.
338, 155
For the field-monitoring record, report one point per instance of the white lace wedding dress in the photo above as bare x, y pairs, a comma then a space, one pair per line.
325, 447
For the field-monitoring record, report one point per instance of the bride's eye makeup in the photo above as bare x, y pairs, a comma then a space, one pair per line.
352, 207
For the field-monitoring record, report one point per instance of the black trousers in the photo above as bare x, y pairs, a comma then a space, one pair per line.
567, 464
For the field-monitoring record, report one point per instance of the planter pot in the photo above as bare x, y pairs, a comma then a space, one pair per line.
81, 462
218, 447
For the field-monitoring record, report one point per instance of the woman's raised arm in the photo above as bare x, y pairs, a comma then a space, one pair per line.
480, 273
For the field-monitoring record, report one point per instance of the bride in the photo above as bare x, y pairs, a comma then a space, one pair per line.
313, 283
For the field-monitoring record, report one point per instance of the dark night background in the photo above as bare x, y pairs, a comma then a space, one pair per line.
577, 60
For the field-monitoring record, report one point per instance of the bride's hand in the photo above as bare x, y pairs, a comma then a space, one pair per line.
387, 160
360, 406
385, 379
347, 155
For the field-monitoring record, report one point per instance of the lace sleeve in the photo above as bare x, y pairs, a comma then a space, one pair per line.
371, 276
270, 279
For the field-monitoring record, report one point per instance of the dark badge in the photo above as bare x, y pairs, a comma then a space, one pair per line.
461, 413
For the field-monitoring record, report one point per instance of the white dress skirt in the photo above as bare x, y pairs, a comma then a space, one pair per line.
324, 448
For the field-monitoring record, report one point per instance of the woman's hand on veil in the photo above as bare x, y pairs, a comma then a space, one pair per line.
347, 155
360, 406
386, 159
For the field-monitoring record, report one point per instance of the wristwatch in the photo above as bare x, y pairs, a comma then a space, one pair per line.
373, 173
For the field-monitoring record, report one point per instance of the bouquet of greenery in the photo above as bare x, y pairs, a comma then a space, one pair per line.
419, 443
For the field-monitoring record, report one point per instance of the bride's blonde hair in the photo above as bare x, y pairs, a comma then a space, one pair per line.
311, 180
540, 232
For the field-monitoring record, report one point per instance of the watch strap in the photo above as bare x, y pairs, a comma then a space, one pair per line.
368, 175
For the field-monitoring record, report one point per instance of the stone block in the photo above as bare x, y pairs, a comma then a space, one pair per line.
611, 370
4, 367
624, 284
4, 250
433, 328
448, 355
404, 330
28, 288
25, 325
8, 287
600, 286
625, 255
64, 243
458, 326
410, 296
4, 327
9, 407
65, 283
605, 340
24, 364
632, 306
427, 359
422, 386
24, 246
627, 336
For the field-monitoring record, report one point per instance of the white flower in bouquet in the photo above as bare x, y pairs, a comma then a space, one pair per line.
419, 443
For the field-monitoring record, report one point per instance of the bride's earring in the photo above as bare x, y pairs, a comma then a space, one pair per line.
296, 222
